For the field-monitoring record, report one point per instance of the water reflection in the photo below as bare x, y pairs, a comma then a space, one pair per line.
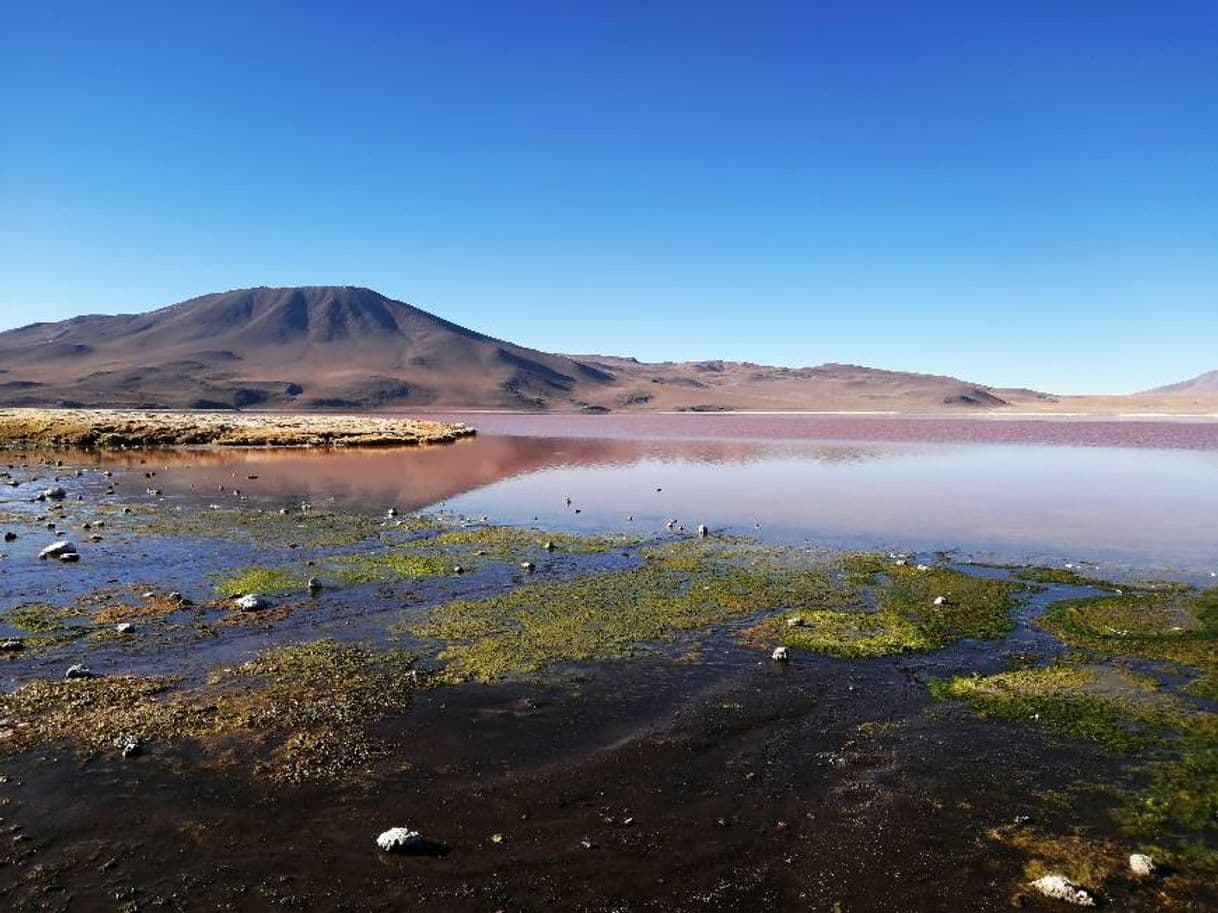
1140, 506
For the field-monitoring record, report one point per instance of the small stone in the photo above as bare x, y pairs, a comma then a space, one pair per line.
1141, 865
779, 655
58, 549
78, 671
1059, 887
128, 745
400, 840
251, 602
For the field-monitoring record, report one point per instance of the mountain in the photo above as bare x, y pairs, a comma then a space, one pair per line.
344, 347
1202, 385
317, 347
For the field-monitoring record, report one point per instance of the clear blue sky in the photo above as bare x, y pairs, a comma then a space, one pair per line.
1016, 193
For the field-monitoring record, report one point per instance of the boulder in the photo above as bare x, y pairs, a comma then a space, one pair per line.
1059, 887
58, 549
401, 840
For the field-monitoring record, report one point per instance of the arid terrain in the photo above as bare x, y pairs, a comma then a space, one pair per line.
327, 348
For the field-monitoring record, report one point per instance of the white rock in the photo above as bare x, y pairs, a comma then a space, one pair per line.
251, 602
1141, 864
779, 655
400, 840
58, 549
1059, 887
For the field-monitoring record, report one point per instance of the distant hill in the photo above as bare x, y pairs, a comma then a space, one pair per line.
342, 347
1202, 385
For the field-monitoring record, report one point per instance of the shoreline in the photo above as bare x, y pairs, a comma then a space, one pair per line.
120, 429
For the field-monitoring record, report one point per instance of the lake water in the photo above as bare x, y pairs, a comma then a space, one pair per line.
1128, 495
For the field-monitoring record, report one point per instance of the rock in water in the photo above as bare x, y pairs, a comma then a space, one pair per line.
251, 602
779, 655
1141, 865
1059, 887
58, 549
400, 840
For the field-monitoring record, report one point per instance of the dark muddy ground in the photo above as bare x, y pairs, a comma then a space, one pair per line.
698, 775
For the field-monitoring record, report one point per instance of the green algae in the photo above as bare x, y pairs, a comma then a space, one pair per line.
508, 541
905, 617
355, 570
1171, 744
303, 712
37, 618
1068, 700
311, 706
610, 616
1176, 626
268, 580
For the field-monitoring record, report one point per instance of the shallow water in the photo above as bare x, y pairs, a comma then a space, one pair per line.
697, 776
1132, 496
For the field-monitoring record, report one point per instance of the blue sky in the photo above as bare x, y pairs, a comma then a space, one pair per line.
1016, 193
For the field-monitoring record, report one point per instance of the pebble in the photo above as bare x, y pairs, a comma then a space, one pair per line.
400, 840
1141, 865
1059, 887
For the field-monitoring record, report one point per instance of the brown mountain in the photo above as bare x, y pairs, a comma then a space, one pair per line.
1202, 385
346, 347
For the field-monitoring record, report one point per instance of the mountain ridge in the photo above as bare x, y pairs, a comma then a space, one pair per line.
350, 347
